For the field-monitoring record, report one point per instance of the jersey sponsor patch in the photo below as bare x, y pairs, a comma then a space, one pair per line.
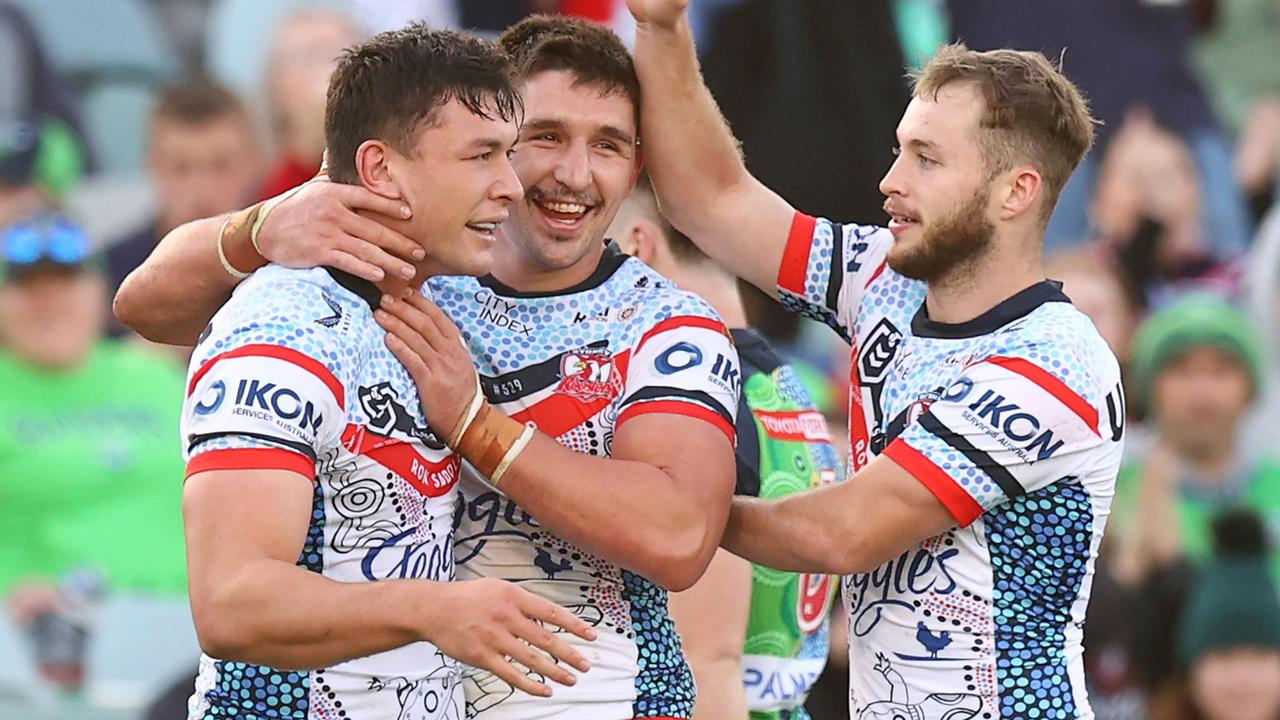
276, 393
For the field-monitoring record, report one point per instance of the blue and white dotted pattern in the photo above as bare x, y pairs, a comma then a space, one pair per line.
982, 615
664, 685
1040, 557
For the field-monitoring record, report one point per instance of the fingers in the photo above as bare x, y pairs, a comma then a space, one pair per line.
351, 264
442, 323
357, 197
538, 661
513, 675
404, 318
553, 645
548, 612
412, 361
382, 240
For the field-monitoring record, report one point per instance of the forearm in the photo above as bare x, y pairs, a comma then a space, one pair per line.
256, 616
630, 513
688, 147
171, 297
799, 533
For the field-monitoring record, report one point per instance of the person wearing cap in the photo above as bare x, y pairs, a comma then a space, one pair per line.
1197, 369
86, 431
1228, 634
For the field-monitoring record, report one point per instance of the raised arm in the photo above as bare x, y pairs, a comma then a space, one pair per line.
171, 297
698, 173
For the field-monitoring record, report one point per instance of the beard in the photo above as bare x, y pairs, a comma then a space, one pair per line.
948, 244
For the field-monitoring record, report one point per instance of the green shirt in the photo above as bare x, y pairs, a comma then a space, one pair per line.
1256, 485
783, 448
89, 470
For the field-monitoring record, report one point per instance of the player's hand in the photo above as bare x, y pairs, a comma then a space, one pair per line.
318, 225
430, 347
497, 626
661, 13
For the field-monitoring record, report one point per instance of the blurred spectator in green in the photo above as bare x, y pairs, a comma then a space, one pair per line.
203, 160
88, 472
1228, 637
1197, 368
304, 50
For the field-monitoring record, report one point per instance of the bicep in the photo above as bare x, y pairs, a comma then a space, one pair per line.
694, 452
233, 517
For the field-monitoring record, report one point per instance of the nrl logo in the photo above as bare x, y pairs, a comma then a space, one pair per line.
589, 376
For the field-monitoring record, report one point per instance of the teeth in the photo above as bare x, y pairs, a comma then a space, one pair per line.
486, 227
566, 208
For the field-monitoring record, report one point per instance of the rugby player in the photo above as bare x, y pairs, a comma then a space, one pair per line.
602, 355
318, 502
756, 638
986, 412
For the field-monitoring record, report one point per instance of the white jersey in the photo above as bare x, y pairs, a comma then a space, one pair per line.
580, 363
293, 374
1014, 421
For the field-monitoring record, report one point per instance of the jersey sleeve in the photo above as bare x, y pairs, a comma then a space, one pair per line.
686, 365
1011, 424
827, 267
264, 395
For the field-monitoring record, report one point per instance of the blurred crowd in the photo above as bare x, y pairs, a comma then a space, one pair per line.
122, 119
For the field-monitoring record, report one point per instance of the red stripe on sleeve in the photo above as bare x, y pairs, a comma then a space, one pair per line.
694, 321
253, 459
959, 503
795, 258
676, 407
1053, 386
289, 355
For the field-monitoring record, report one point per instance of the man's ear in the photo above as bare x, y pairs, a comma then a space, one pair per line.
1022, 190
374, 169
645, 239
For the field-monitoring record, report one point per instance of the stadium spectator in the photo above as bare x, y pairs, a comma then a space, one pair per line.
746, 628
1228, 637
1197, 367
1097, 285
304, 52
203, 161
1151, 42
1147, 208
88, 471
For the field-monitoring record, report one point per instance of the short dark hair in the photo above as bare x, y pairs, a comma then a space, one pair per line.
591, 52
1034, 114
197, 101
387, 86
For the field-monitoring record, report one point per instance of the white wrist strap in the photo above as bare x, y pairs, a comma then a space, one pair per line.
476, 401
512, 454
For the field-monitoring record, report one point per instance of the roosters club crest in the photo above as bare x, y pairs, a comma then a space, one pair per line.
589, 376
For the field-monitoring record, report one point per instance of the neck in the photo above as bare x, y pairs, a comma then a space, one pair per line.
513, 267
979, 285
397, 286
717, 287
